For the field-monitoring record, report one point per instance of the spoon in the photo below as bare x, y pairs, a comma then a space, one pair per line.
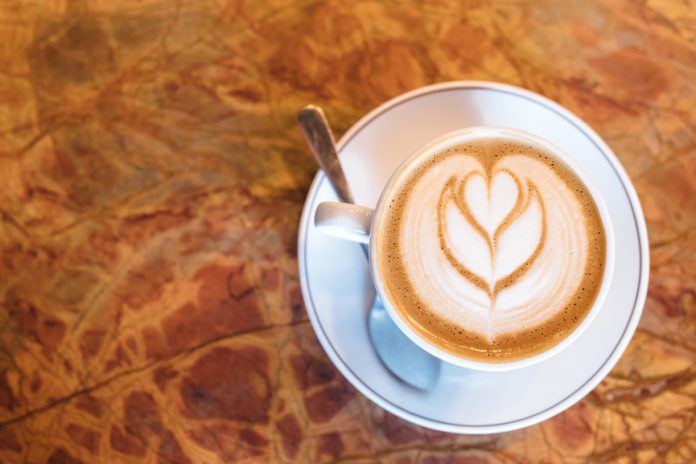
403, 358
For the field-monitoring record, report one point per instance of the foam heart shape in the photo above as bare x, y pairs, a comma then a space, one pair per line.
509, 221
490, 205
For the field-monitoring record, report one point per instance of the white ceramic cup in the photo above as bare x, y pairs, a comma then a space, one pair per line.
359, 224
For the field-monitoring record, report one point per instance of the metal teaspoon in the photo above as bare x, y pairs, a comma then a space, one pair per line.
400, 356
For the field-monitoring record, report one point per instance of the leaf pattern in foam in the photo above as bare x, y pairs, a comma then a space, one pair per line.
491, 235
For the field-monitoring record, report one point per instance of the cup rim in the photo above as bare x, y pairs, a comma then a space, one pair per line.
459, 135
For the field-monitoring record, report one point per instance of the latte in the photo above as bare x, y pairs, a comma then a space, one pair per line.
492, 250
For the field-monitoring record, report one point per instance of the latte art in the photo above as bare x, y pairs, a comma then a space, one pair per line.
507, 217
494, 249
489, 211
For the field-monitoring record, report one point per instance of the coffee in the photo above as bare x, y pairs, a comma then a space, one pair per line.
492, 249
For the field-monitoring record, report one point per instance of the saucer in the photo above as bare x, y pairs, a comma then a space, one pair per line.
336, 284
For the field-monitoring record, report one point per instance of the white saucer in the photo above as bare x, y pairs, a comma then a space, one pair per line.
336, 284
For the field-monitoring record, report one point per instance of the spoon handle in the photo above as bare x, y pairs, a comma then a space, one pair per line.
321, 141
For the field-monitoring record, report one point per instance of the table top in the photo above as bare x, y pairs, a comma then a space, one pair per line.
152, 180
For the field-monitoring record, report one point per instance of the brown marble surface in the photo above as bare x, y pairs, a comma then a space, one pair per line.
152, 176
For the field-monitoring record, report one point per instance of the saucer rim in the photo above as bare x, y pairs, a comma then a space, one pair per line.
638, 301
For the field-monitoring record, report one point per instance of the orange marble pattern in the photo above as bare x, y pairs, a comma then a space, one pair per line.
152, 181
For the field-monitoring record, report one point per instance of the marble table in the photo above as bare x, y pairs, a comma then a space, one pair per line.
152, 177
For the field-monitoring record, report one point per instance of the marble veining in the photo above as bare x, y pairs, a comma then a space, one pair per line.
152, 180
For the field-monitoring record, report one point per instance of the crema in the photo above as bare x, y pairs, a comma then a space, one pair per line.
492, 250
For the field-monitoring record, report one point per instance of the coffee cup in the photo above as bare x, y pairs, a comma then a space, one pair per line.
490, 247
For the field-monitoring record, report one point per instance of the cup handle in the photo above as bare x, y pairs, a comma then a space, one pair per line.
344, 220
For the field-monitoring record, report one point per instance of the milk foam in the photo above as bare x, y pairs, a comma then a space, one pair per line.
497, 247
